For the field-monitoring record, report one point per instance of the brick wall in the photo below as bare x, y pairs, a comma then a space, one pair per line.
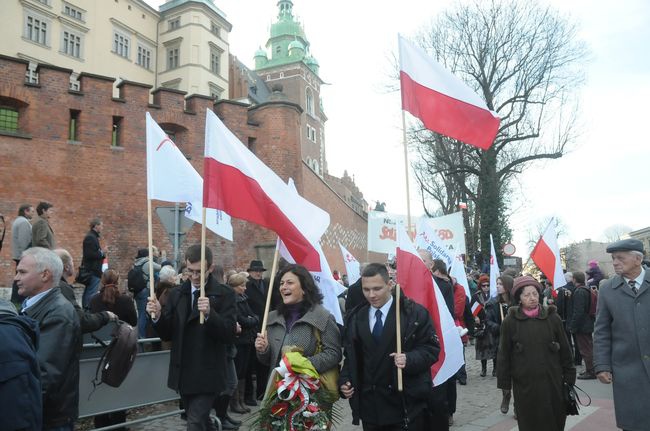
89, 177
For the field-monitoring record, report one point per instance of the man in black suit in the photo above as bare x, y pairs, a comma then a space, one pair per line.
92, 258
198, 355
369, 375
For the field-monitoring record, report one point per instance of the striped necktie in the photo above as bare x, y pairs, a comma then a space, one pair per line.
632, 284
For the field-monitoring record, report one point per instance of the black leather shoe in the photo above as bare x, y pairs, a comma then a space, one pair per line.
462, 381
250, 402
233, 421
587, 376
227, 425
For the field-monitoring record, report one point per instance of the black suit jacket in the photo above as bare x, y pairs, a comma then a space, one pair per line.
257, 297
198, 355
92, 254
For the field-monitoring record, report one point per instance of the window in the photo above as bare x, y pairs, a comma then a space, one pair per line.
215, 92
121, 45
31, 75
173, 58
71, 44
116, 137
73, 12
310, 102
214, 28
278, 49
311, 133
215, 61
36, 30
8, 119
74, 125
174, 24
144, 57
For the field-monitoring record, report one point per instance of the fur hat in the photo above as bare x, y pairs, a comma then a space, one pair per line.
483, 279
526, 280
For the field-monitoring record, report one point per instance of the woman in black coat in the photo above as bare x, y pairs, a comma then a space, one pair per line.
246, 331
486, 343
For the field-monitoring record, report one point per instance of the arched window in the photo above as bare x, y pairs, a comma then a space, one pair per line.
309, 96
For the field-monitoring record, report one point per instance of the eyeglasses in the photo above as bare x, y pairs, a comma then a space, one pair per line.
485, 285
193, 272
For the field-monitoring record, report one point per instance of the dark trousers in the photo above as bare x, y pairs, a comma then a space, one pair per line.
197, 409
438, 407
261, 372
415, 424
586, 345
242, 360
577, 357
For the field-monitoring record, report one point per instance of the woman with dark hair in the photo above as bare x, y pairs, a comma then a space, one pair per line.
299, 321
495, 311
486, 342
535, 359
111, 299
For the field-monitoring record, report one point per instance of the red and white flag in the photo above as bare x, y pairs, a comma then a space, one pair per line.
240, 184
546, 256
352, 266
417, 283
444, 103
494, 270
476, 308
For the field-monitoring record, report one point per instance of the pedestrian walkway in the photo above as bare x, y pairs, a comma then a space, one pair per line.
477, 408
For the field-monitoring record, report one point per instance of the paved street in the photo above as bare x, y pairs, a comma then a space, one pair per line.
478, 408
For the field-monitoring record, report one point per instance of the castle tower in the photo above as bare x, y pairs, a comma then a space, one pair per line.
287, 61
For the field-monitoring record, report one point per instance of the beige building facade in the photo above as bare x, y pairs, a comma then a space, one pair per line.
183, 45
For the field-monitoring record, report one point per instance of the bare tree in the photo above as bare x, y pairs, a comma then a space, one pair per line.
525, 61
615, 232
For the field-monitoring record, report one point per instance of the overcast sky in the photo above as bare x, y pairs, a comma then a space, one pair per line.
601, 182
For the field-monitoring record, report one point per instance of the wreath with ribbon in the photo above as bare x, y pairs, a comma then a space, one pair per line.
296, 401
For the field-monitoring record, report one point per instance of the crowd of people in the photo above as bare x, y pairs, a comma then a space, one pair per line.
530, 336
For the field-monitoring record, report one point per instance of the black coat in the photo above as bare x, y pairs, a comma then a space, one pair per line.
58, 356
124, 307
257, 296
354, 297
581, 322
93, 255
90, 322
420, 344
19, 373
447, 289
198, 355
248, 321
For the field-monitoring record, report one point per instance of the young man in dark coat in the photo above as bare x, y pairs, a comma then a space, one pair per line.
59, 347
198, 354
581, 324
91, 261
369, 375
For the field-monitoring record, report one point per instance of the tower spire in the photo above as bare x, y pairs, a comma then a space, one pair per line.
285, 10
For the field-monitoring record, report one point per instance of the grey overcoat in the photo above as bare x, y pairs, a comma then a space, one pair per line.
622, 347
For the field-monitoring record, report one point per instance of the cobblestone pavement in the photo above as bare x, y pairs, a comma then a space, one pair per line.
477, 407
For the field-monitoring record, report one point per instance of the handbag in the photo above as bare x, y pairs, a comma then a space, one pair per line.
329, 379
572, 400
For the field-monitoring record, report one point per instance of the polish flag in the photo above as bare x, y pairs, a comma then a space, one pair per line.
494, 270
546, 256
241, 185
352, 266
444, 103
476, 308
417, 283
172, 178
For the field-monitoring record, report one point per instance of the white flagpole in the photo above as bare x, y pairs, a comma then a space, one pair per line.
152, 293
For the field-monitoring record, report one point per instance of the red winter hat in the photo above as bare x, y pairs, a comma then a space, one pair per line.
483, 279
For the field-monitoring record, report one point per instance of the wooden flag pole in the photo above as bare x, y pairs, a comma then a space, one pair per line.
269, 291
202, 316
406, 173
398, 324
152, 293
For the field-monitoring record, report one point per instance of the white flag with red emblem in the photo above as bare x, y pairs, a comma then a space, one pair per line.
546, 256
417, 283
352, 265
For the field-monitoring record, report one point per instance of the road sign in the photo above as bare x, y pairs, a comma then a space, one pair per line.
509, 249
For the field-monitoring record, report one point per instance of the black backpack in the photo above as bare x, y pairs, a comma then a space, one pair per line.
136, 278
118, 358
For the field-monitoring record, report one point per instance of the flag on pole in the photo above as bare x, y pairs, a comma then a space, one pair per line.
240, 184
476, 308
352, 265
494, 270
458, 272
185, 185
444, 103
417, 283
329, 288
546, 256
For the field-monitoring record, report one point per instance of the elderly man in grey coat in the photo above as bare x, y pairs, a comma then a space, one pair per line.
622, 335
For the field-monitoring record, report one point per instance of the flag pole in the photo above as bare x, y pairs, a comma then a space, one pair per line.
398, 324
406, 173
202, 316
152, 293
269, 291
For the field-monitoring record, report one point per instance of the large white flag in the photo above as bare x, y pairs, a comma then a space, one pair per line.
329, 288
494, 270
171, 178
352, 266
460, 274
